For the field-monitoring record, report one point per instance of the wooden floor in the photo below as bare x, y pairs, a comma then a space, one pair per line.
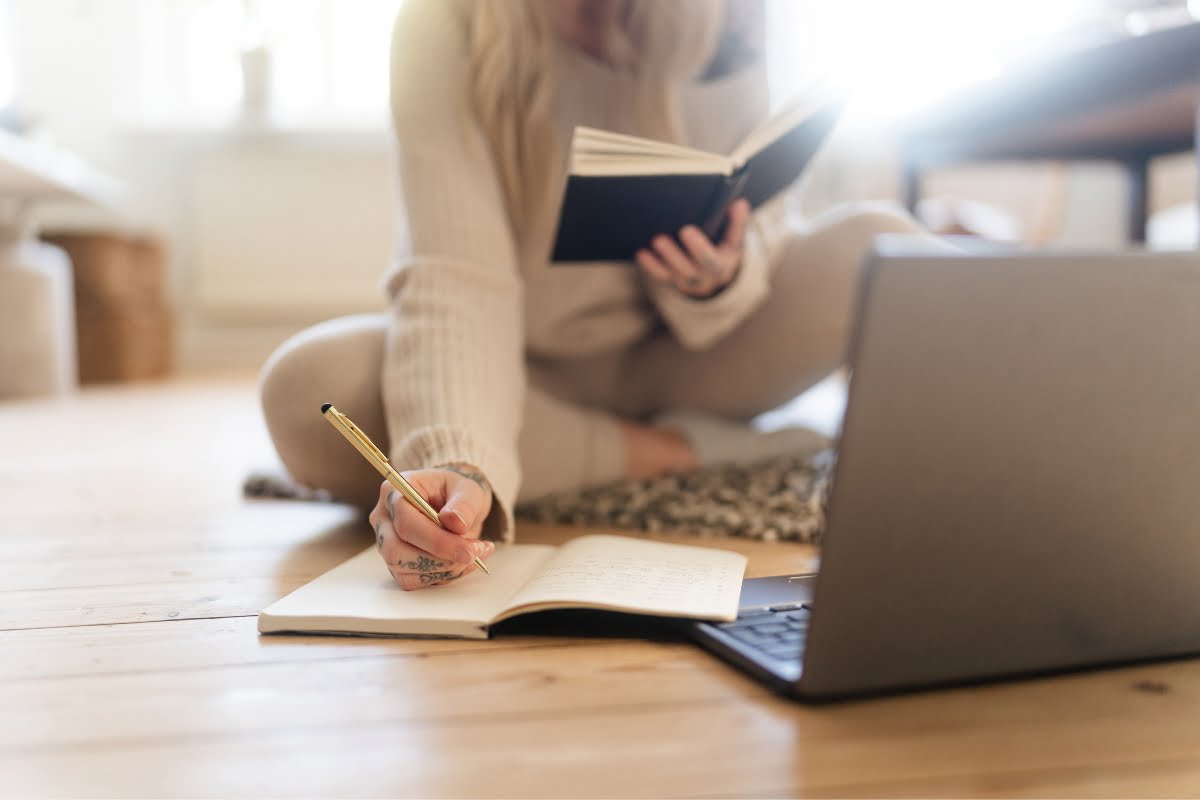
131, 572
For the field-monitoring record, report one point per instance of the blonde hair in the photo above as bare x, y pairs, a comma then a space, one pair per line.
664, 43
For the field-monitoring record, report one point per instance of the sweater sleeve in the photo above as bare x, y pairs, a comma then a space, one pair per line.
453, 377
699, 324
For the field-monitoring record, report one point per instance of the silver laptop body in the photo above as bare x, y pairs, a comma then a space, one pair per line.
1017, 488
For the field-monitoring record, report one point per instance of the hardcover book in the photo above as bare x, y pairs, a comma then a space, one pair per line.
622, 190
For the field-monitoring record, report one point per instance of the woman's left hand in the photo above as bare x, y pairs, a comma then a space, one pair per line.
702, 269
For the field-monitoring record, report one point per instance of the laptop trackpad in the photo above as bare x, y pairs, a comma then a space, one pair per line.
776, 590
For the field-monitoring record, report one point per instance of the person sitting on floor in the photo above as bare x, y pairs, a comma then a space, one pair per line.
496, 376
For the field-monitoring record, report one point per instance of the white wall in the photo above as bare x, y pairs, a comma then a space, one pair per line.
288, 228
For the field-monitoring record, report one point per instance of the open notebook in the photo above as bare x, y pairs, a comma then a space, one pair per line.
615, 573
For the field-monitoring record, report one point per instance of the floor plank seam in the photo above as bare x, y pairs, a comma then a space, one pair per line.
505, 718
123, 622
175, 670
172, 581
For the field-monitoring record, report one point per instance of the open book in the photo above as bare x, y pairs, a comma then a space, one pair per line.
623, 190
615, 573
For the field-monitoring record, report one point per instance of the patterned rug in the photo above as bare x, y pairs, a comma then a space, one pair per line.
782, 499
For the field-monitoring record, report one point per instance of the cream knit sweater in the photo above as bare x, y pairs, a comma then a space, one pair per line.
471, 298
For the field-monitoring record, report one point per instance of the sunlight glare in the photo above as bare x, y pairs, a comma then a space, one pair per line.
893, 58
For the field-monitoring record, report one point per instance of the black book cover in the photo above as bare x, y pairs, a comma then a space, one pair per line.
609, 217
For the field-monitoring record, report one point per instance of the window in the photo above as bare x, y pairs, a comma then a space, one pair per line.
895, 57
318, 60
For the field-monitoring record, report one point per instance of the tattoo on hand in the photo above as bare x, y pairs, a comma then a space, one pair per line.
467, 472
434, 577
422, 564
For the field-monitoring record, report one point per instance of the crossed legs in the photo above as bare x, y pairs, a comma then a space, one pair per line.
797, 337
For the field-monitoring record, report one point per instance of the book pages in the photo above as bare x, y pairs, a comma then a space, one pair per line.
628, 574
360, 596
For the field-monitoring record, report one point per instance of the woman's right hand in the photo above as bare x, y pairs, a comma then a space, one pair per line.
420, 553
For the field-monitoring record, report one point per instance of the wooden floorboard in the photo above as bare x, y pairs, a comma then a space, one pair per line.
131, 570
725, 744
50, 654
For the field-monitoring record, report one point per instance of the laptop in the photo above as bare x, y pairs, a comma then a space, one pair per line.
1017, 486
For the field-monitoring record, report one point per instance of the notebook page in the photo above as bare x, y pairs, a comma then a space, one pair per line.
360, 596
627, 574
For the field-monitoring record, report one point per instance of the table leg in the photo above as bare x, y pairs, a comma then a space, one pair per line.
911, 184
1137, 173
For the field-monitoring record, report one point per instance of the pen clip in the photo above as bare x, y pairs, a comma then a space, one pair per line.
361, 437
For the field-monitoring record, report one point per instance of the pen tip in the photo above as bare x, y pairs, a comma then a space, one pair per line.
325, 407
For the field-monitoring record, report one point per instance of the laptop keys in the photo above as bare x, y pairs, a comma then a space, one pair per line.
778, 631
747, 613
783, 652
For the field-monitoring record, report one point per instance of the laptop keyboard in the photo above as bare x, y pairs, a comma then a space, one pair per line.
778, 631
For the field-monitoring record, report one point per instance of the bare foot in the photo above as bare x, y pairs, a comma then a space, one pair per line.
653, 452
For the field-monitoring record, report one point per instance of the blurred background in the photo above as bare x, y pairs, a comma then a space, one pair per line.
250, 143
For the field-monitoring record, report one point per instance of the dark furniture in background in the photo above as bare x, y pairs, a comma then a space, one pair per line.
1128, 100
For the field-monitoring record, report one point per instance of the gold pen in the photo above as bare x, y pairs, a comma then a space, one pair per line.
363, 444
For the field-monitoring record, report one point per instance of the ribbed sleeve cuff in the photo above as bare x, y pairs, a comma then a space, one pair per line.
699, 324
432, 447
